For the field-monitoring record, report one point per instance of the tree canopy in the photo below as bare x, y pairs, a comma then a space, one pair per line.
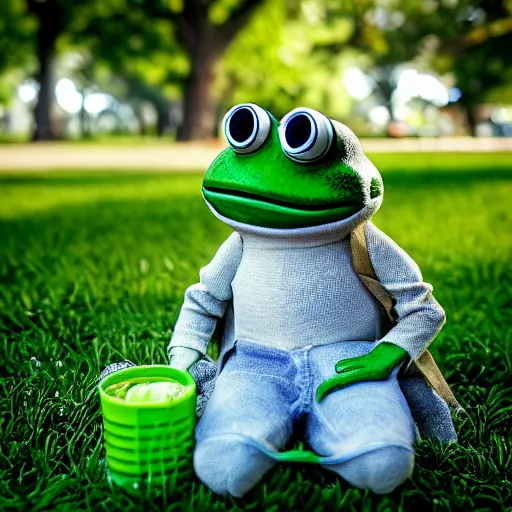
209, 54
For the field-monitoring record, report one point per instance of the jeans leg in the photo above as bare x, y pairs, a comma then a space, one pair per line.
370, 420
230, 467
246, 405
381, 470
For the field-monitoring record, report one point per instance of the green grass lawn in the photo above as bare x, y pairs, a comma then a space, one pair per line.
93, 268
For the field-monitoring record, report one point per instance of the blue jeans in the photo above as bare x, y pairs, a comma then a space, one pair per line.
266, 397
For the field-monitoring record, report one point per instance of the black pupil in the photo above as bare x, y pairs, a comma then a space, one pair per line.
298, 130
241, 125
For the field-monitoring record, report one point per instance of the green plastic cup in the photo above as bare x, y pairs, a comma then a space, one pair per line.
148, 442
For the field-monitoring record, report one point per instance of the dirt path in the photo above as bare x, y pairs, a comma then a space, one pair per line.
192, 156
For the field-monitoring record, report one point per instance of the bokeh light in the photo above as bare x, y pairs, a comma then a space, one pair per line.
67, 96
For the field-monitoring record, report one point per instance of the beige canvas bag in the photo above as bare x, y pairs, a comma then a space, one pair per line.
366, 273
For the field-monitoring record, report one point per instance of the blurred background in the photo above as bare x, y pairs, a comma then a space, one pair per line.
90, 69
96, 250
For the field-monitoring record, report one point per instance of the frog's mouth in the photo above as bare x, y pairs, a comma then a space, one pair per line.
255, 209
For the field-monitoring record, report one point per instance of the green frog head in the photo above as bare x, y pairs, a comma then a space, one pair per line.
305, 171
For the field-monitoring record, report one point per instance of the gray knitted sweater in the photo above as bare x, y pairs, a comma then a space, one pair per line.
292, 288
288, 288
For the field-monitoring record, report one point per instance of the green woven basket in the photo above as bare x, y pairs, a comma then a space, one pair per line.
151, 442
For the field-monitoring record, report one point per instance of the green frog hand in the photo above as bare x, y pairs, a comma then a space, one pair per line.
376, 365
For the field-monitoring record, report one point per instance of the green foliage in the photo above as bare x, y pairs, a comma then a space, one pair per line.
134, 46
16, 29
93, 268
16, 37
475, 47
482, 69
279, 61
277, 53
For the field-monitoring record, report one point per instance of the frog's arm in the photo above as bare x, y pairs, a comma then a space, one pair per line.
419, 317
205, 302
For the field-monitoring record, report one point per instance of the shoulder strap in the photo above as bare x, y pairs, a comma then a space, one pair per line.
364, 269
366, 273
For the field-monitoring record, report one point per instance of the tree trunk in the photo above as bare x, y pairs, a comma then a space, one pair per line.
472, 119
84, 119
162, 119
139, 114
45, 55
198, 102
205, 43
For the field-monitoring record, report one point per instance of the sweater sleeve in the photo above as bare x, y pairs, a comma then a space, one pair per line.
420, 317
207, 301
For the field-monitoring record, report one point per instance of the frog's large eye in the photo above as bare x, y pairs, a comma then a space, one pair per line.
246, 127
305, 134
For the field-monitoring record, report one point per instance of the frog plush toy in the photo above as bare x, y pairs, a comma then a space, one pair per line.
305, 352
